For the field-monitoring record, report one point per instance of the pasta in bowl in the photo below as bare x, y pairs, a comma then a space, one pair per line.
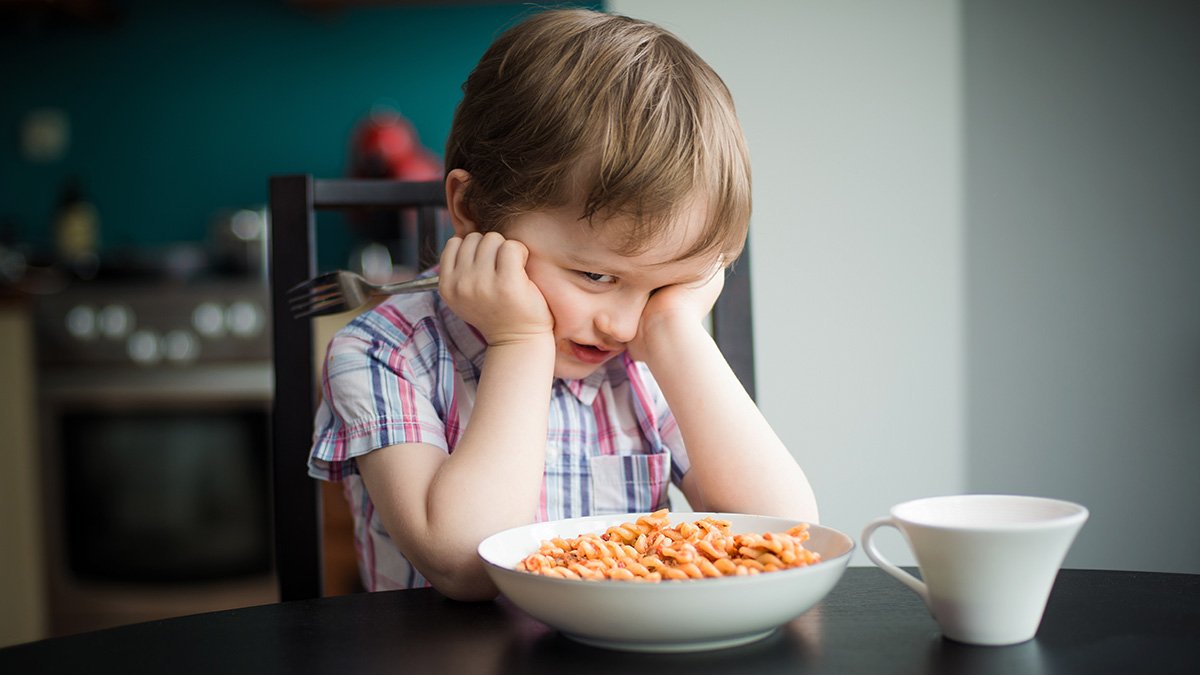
673, 601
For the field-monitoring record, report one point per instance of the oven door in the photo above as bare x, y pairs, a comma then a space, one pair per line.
159, 476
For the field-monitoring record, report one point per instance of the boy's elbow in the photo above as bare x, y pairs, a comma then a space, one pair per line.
468, 583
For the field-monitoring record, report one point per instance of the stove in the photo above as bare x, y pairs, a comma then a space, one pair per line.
149, 325
154, 405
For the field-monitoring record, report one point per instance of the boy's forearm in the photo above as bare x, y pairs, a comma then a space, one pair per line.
438, 507
738, 463
492, 480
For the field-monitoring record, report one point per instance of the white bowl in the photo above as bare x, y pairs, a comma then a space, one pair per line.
668, 616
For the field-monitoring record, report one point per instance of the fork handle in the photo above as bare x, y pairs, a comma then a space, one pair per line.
410, 286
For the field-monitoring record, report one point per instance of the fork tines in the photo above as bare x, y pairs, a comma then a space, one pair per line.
319, 295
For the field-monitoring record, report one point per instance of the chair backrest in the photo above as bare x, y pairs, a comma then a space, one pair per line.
294, 202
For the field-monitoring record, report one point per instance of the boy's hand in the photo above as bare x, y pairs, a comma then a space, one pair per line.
483, 280
674, 308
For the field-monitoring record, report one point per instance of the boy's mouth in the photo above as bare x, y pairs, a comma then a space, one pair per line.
590, 353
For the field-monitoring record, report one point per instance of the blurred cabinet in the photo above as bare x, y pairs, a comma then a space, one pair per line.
22, 594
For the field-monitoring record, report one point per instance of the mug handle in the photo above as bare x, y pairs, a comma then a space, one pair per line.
873, 553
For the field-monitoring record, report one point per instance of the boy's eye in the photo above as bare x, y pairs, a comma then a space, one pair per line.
599, 278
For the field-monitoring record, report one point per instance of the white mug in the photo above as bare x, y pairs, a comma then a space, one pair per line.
988, 561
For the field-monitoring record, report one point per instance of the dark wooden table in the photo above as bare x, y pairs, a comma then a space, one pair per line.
1096, 622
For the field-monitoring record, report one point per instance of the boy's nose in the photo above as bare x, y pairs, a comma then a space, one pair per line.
619, 321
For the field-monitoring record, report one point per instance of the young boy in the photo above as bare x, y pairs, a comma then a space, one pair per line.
598, 185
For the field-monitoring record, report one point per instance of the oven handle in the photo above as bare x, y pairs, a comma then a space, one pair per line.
208, 383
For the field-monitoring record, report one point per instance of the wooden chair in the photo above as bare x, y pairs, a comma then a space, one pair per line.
294, 202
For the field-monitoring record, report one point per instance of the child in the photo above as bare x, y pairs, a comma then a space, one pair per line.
598, 184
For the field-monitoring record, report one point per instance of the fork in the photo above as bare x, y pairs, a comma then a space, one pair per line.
342, 291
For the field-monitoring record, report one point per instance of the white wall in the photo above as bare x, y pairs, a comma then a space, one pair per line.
976, 251
850, 109
1083, 249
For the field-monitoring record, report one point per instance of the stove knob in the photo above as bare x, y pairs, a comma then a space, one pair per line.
142, 346
180, 346
81, 322
244, 319
209, 320
116, 321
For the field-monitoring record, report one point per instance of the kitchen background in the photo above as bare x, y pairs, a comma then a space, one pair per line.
976, 233
138, 138
175, 112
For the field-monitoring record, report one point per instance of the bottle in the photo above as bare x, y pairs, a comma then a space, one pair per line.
77, 231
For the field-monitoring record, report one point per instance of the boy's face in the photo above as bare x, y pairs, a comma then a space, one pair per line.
596, 294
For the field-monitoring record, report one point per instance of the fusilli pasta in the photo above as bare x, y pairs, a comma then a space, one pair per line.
651, 549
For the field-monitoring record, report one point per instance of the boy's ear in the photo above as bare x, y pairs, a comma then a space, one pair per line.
460, 215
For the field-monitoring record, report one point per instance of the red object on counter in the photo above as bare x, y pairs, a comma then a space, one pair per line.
386, 146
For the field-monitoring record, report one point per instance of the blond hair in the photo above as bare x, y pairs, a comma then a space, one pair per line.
613, 113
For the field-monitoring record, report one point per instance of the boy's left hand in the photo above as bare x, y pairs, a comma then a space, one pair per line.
673, 308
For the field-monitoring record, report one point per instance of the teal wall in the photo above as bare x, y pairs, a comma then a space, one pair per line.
183, 108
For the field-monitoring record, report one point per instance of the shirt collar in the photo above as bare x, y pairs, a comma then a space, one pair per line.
586, 389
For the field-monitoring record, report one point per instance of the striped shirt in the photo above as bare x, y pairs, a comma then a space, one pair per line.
407, 372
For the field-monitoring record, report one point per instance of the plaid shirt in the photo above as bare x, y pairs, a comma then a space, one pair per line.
408, 371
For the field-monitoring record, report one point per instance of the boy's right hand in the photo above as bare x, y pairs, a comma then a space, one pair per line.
483, 280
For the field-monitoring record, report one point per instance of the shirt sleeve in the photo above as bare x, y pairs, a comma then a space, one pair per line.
379, 388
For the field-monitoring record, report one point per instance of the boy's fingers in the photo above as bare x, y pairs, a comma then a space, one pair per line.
449, 255
511, 257
466, 250
486, 249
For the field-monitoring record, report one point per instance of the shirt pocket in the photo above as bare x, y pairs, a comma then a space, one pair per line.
629, 483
